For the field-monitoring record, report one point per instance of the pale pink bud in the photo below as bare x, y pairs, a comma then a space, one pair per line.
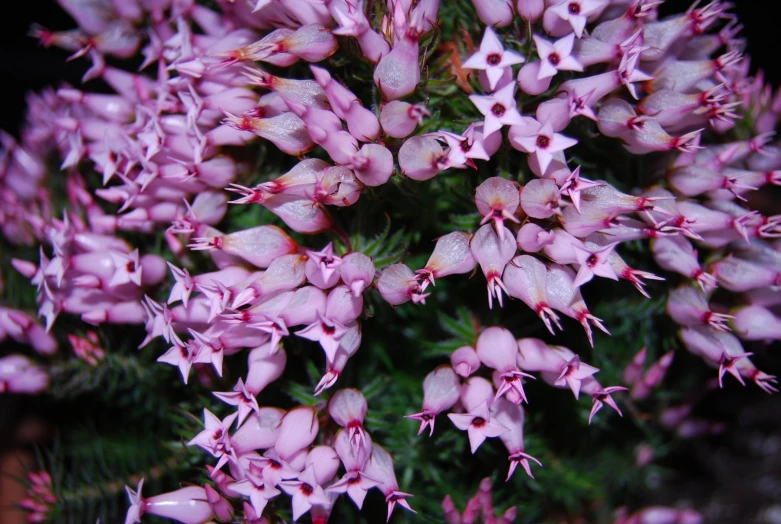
312, 43
286, 131
530, 10
688, 306
266, 364
361, 122
737, 274
187, 505
756, 323
397, 74
259, 431
440, 393
465, 361
372, 164
540, 198
342, 305
452, 256
677, 254
496, 348
525, 278
529, 79
18, 374
564, 296
399, 119
300, 214
421, 158
304, 306
475, 391
496, 13
398, 284
297, 430
325, 462
531, 237
306, 92
694, 180
493, 254
357, 272
512, 417
497, 199
348, 408
120, 313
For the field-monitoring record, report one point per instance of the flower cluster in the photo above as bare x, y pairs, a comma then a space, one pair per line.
167, 147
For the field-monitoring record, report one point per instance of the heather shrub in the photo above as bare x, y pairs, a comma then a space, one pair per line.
340, 260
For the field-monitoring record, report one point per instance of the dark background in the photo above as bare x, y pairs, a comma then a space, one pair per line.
25, 65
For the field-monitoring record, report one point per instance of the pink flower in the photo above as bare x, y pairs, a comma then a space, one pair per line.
242, 398
539, 140
492, 58
573, 11
478, 425
306, 492
493, 254
188, 505
440, 393
557, 56
497, 199
215, 437
348, 409
499, 109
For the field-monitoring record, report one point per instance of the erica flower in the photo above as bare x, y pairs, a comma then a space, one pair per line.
499, 109
492, 58
556, 56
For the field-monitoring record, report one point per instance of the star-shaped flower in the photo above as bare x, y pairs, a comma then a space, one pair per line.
573, 373
215, 437
541, 142
477, 424
576, 12
181, 355
593, 263
241, 398
556, 56
136, 509
573, 185
603, 397
326, 260
492, 58
499, 109
306, 492
325, 331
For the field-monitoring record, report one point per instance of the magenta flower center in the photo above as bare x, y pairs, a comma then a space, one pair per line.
554, 59
478, 422
498, 109
328, 330
494, 59
306, 489
574, 8
592, 261
543, 141
440, 162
